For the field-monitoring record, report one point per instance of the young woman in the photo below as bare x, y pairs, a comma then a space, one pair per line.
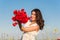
33, 26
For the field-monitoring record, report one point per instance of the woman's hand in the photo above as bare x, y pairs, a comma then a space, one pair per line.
28, 29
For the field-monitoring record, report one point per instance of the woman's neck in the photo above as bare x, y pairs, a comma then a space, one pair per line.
33, 22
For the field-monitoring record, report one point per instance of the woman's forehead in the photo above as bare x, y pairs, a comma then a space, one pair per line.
33, 12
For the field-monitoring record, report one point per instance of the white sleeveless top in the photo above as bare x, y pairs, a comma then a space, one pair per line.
33, 25
30, 35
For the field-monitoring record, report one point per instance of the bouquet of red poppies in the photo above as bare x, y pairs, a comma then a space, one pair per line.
21, 16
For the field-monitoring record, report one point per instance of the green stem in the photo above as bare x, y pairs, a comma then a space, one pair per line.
19, 25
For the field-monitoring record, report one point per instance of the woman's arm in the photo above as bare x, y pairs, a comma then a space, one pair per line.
28, 29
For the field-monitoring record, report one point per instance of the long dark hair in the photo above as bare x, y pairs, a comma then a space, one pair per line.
39, 18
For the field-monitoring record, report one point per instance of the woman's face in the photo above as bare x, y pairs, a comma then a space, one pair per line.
33, 16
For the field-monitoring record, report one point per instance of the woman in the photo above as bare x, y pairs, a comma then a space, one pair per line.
35, 24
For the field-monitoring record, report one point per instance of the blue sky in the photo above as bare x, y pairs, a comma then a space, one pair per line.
50, 10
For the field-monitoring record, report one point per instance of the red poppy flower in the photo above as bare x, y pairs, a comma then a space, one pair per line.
20, 15
14, 24
13, 18
15, 12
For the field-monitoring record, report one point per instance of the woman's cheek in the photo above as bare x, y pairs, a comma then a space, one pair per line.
34, 17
